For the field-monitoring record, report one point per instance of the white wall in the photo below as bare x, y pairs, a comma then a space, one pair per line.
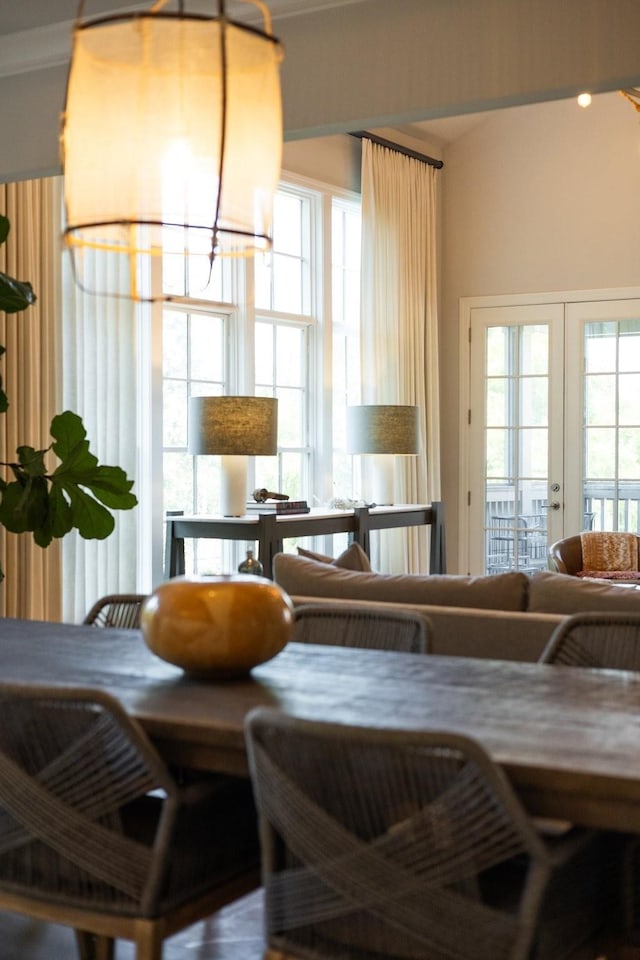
536, 199
334, 160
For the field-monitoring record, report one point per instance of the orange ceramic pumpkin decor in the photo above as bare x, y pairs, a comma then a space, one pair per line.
218, 626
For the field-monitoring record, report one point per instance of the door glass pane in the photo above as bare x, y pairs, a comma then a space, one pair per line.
497, 351
611, 482
629, 397
498, 444
516, 397
533, 448
497, 412
600, 400
629, 345
629, 453
600, 347
534, 401
534, 347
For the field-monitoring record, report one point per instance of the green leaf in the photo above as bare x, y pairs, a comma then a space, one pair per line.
24, 506
91, 519
32, 461
67, 429
15, 295
111, 486
60, 520
4, 228
78, 466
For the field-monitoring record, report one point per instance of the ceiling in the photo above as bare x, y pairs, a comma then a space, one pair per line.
29, 14
41, 32
42, 35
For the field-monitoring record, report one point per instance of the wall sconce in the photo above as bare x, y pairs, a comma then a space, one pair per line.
233, 428
383, 432
171, 137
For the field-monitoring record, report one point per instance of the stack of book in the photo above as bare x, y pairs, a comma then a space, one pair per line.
278, 506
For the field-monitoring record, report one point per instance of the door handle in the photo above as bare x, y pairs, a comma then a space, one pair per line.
555, 505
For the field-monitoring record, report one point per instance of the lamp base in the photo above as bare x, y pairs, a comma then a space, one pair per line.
233, 492
383, 476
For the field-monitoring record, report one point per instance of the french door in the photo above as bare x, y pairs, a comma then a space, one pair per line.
553, 426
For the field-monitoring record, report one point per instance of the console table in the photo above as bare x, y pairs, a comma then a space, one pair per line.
270, 529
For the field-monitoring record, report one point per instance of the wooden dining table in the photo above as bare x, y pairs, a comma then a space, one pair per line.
569, 739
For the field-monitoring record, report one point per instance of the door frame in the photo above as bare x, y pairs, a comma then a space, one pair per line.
466, 305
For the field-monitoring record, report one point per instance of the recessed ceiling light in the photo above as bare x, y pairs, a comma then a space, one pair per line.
584, 100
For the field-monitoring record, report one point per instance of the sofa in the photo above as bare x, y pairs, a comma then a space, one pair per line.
506, 616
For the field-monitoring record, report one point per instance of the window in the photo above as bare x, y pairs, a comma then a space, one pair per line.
286, 325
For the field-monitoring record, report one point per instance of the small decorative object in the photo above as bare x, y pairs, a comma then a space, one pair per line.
278, 506
260, 494
251, 565
217, 627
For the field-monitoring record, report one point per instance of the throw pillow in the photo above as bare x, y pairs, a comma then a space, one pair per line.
353, 558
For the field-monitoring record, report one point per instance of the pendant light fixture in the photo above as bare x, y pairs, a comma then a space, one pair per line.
171, 138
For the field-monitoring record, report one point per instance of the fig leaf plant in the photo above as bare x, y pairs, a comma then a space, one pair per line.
78, 492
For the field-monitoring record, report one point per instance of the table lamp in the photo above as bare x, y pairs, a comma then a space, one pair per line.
383, 432
234, 428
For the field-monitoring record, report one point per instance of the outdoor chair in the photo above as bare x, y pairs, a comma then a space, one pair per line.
353, 625
599, 640
405, 844
117, 610
96, 834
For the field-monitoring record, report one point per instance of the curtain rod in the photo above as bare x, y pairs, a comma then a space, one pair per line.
405, 151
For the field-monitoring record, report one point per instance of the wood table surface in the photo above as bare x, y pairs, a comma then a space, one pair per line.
568, 738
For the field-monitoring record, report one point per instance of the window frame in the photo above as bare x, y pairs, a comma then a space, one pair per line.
243, 314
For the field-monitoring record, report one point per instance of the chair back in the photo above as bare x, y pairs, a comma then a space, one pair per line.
565, 556
599, 553
117, 610
71, 764
352, 625
388, 843
599, 640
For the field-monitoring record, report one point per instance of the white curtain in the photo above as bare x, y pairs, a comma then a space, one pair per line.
99, 375
31, 588
399, 326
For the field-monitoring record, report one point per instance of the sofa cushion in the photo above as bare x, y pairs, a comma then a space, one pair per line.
353, 558
302, 576
561, 593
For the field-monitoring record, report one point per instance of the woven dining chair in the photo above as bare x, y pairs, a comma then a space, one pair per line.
598, 640
116, 610
85, 843
611, 641
412, 845
353, 625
